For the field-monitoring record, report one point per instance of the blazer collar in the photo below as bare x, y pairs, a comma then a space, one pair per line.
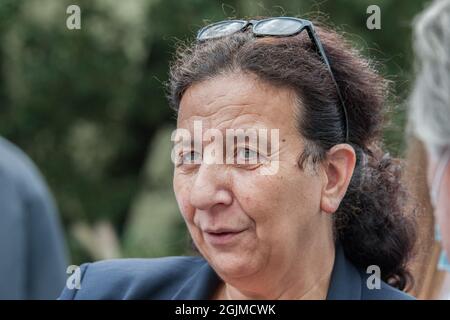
200, 286
345, 281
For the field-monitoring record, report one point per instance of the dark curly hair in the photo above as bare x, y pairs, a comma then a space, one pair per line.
371, 222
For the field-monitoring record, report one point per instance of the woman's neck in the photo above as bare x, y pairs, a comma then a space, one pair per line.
307, 279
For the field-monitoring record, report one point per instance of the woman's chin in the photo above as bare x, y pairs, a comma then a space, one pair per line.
229, 265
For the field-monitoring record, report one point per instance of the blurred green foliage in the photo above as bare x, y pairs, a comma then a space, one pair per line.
89, 105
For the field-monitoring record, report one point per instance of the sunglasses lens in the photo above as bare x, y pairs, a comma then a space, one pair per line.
221, 29
278, 27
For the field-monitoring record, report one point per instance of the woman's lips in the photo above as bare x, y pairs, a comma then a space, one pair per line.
223, 237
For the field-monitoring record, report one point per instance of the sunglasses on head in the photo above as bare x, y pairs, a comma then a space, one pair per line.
274, 27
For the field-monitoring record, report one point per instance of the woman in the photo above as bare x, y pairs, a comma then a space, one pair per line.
304, 218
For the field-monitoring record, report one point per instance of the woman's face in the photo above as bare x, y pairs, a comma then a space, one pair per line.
242, 220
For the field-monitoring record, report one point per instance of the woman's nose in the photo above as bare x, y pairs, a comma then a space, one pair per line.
210, 187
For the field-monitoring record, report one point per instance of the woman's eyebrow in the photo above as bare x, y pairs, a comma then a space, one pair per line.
185, 143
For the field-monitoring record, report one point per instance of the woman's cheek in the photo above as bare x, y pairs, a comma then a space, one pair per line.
256, 195
182, 195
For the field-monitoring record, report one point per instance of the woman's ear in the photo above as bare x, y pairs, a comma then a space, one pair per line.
338, 171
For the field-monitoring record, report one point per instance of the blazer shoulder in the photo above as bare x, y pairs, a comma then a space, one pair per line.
156, 278
385, 292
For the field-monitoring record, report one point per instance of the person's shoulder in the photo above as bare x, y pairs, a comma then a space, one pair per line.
156, 278
383, 292
12, 155
19, 170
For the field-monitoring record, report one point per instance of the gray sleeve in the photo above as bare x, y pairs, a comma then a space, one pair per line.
12, 243
32, 246
46, 251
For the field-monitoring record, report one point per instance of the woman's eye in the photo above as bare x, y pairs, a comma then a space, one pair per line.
246, 155
190, 157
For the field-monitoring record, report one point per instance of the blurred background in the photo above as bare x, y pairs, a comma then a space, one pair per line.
88, 106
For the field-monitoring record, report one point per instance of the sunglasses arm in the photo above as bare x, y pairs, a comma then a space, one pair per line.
311, 33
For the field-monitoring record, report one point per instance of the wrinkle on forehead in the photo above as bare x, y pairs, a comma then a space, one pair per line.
232, 99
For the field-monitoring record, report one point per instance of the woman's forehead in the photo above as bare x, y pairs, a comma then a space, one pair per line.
235, 99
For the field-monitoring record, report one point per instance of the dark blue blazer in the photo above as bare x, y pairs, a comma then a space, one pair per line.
182, 278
